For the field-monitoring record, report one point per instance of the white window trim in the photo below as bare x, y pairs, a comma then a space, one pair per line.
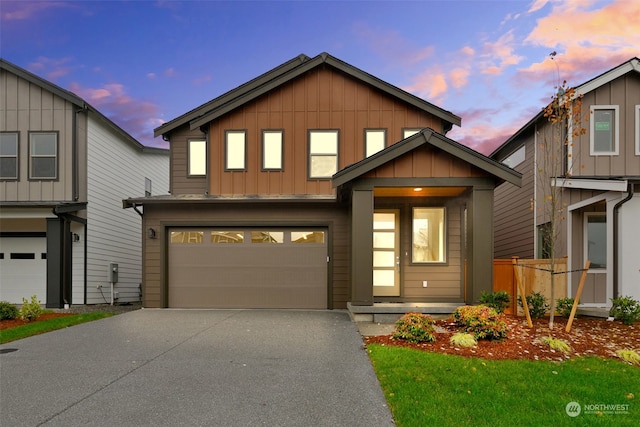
637, 116
616, 125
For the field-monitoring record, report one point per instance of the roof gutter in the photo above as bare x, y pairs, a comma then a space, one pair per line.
616, 228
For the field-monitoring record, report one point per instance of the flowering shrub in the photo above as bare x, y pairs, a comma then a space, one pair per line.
415, 328
481, 321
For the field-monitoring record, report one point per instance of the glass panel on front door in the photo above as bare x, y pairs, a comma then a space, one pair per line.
386, 253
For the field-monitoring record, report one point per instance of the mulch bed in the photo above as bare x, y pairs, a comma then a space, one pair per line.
588, 337
12, 323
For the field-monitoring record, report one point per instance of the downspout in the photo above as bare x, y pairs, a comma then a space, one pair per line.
616, 227
74, 156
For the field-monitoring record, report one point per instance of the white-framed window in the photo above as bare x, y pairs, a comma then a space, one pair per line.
595, 239
515, 158
374, 140
43, 155
8, 155
407, 132
323, 153
428, 235
197, 157
272, 150
604, 130
235, 150
637, 116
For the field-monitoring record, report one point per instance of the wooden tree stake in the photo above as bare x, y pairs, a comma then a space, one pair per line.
522, 295
583, 278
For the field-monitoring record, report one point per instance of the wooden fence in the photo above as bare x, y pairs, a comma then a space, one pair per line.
535, 277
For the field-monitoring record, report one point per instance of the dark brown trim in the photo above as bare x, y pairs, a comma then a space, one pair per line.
226, 150
263, 150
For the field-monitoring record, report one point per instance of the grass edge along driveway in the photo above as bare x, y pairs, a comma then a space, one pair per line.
424, 388
40, 327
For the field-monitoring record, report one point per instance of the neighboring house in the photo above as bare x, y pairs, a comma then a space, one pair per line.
317, 185
64, 169
600, 185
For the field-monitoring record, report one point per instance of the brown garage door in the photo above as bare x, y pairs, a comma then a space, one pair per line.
247, 268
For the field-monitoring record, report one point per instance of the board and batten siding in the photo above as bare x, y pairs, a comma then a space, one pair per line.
319, 100
116, 171
26, 107
623, 92
513, 212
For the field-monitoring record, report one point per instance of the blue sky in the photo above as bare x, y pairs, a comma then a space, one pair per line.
142, 63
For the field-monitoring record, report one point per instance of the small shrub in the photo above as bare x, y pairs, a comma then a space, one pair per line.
564, 306
8, 311
556, 344
629, 356
463, 339
415, 328
498, 300
625, 309
30, 310
481, 321
537, 304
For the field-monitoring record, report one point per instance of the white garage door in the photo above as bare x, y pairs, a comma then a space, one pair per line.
247, 268
23, 268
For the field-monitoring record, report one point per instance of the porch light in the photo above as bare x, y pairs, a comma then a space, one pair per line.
417, 189
151, 233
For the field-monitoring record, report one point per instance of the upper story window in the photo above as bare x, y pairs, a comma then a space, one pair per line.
43, 155
637, 130
604, 130
323, 153
407, 132
515, 158
235, 145
197, 155
147, 187
272, 149
9, 155
374, 141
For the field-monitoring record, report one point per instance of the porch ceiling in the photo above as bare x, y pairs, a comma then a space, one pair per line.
415, 192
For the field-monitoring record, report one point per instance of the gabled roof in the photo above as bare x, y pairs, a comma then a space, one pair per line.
77, 101
632, 65
437, 140
285, 73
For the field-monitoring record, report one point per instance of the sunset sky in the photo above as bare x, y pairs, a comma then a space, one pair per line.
142, 63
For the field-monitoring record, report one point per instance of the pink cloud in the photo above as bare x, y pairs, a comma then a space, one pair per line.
498, 55
51, 68
22, 11
537, 5
459, 77
137, 117
391, 45
467, 50
430, 84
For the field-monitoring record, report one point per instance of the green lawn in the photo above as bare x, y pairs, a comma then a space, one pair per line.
432, 389
41, 327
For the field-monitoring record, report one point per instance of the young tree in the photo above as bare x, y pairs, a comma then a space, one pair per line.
553, 165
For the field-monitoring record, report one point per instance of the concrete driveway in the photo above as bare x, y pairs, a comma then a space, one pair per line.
155, 367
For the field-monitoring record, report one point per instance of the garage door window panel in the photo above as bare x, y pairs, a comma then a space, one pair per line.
267, 237
307, 237
227, 237
187, 237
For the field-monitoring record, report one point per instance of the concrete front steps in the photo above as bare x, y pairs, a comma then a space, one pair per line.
388, 312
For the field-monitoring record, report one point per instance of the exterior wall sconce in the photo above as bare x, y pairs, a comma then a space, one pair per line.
151, 233
75, 237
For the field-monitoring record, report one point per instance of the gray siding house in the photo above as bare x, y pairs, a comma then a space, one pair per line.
318, 185
599, 184
64, 169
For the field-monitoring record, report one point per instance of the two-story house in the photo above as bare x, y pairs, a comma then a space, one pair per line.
64, 169
317, 185
598, 183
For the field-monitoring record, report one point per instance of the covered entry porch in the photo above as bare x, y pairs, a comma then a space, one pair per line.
421, 215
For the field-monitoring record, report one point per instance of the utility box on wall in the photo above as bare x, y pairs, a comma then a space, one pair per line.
113, 272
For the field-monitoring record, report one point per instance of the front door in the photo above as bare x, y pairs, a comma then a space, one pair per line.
386, 253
